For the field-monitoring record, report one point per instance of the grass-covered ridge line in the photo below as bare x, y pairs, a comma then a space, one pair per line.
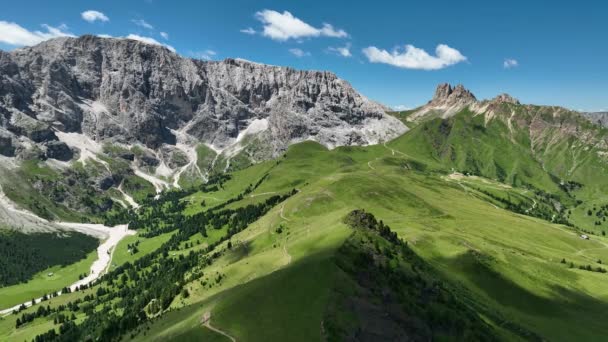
382, 280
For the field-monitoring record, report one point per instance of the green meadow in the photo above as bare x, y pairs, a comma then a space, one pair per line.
508, 266
477, 213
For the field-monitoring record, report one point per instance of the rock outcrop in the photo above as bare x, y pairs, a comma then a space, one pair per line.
447, 101
447, 96
58, 150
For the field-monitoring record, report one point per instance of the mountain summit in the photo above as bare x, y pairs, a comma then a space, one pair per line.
446, 95
449, 100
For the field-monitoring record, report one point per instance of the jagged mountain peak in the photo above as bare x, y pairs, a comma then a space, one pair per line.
446, 93
448, 100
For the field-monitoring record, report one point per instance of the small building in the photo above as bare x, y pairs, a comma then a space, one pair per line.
584, 236
50, 274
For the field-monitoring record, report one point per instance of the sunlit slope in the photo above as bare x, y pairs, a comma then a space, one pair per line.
507, 266
538, 148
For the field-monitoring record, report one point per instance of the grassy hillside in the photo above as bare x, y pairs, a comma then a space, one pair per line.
264, 254
492, 255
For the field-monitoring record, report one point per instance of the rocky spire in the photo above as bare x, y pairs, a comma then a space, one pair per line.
448, 96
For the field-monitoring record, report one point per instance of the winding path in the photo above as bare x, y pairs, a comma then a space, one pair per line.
262, 194
286, 253
206, 321
393, 151
281, 213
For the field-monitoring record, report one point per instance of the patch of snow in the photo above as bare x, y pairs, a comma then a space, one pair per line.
99, 108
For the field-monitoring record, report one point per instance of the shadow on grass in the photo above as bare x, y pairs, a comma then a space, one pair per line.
568, 311
239, 251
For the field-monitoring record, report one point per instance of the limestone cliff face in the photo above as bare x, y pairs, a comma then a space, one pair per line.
130, 92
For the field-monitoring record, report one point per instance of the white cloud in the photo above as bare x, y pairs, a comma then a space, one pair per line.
343, 51
416, 58
149, 40
401, 107
284, 26
248, 30
206, 54
13, 34
142, 23
510, 63
104, 36
299, 52
329, 31
165, 35
92, 16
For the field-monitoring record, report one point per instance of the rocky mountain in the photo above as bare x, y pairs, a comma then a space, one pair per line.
136, 116
449, 100
131, 92
501, 138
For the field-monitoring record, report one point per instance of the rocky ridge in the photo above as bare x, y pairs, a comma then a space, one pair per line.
109, 115
548, 128
130, 92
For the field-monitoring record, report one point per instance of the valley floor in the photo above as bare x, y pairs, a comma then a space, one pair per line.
112, 236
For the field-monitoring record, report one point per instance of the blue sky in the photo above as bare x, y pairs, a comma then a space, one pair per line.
541, 52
